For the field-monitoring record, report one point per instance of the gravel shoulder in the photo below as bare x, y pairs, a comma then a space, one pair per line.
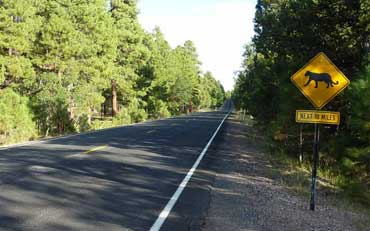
246, 196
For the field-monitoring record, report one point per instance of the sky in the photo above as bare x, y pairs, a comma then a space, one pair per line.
219, 29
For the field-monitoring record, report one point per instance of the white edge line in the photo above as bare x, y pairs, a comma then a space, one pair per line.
171, 203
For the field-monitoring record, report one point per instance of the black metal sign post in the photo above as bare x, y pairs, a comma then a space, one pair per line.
301, 144
314, 169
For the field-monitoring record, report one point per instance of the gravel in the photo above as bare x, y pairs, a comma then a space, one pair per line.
246, 197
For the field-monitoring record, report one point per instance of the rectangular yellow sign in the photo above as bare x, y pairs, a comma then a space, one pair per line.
319, 117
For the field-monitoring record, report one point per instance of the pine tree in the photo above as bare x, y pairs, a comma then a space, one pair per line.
76, 55
19, 24
132, 54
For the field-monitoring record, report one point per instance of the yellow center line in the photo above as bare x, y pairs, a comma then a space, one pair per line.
95, 149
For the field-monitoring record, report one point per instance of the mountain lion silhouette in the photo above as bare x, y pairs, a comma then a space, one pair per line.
320, 77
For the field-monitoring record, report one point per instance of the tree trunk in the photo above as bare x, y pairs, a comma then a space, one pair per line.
89, 117
60, 74
114, 98
70, 103
105, 109
190, 107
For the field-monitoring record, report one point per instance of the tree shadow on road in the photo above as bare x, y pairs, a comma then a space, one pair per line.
55, 186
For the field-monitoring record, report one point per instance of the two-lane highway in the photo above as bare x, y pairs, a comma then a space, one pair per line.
115, 179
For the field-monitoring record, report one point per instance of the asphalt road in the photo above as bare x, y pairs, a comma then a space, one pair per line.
116, 179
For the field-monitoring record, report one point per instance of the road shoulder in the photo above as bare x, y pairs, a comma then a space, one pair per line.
245, 196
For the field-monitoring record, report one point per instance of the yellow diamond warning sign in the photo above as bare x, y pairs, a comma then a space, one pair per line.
320, 80
320, 117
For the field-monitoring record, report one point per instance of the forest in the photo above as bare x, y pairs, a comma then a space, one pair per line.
73, 66
288, 33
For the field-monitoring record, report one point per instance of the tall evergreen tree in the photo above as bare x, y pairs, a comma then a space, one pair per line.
132, 54
18, 28
75, 58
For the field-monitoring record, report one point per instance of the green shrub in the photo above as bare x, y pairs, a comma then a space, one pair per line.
50, 106
83, 123
15, 118
160, 109
123, 117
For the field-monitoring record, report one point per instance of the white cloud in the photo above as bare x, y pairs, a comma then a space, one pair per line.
219, 31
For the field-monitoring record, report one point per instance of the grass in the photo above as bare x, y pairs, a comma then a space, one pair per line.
297, 178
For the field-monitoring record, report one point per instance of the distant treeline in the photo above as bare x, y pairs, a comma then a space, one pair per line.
288, 34
68, 66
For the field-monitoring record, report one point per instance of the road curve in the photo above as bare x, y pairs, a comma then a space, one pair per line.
116, 179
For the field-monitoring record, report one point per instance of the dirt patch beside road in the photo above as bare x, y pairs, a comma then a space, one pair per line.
246, 196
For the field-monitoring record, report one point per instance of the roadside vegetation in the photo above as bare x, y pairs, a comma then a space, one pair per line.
288, 34
72, 66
